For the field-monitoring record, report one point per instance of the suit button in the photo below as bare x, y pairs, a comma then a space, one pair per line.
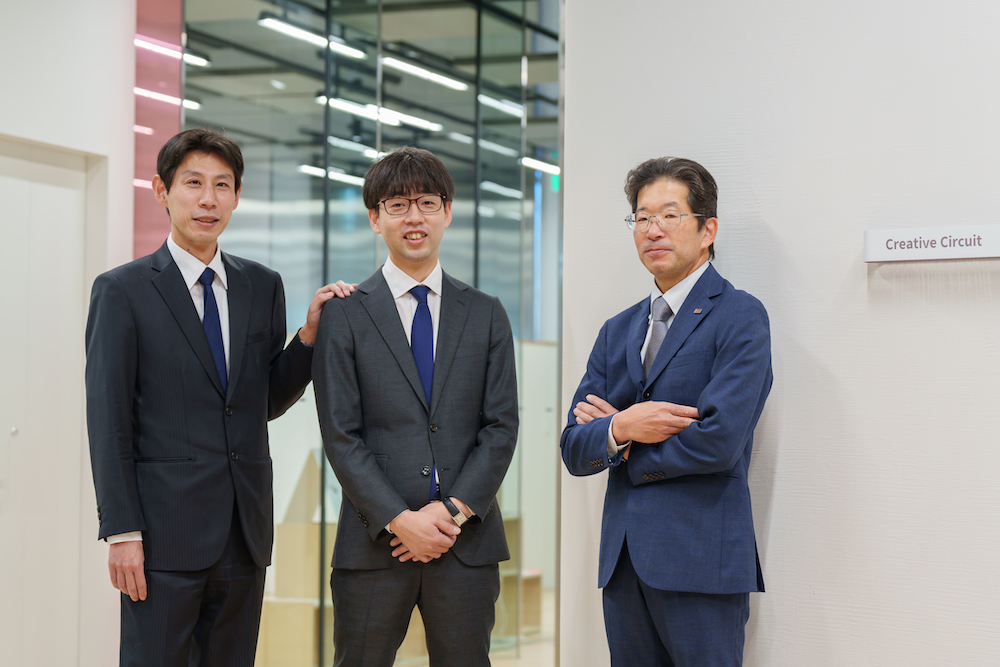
229, 412
434, 428
426, 471
234, 455
647, 394
645, 478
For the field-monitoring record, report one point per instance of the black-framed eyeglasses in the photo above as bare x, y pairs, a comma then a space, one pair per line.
396, 206
640, 222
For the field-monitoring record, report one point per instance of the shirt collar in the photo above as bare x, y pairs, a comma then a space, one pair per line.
400, 282
191, 267
678, 294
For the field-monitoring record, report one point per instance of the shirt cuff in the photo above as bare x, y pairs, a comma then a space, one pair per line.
614, 447
134, 536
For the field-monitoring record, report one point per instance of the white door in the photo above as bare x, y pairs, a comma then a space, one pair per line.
42, 435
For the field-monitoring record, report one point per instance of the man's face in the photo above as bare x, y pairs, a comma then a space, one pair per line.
671, 255
413, 238
200, 201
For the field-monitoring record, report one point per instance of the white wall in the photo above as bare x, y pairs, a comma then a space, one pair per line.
874, 472
66, 118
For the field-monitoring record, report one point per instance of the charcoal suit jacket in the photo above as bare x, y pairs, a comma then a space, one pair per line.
683, 504
381, 436
171, 453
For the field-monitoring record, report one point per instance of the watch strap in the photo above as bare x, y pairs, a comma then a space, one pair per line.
456, 514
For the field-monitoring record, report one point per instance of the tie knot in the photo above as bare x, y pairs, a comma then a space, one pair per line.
207, 276
661, 310
420, 292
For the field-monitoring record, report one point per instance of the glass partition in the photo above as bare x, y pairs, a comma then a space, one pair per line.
313, 91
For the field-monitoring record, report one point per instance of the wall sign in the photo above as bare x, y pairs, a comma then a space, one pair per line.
929, 243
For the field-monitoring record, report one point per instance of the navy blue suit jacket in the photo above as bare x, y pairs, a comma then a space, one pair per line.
683, 503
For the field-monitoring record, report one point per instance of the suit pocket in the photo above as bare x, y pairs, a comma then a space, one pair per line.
165, 459
258, 336
383, 461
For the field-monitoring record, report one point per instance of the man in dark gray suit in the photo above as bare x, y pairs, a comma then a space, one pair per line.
186, 363
417, 400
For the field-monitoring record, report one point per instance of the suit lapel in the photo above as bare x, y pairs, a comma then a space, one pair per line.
636, 335
454, 313
696, 307
240, 295
169, 283
381, 308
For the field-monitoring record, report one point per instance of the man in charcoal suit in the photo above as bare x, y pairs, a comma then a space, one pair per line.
415, 387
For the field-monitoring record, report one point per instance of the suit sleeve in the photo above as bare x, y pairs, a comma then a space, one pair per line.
338, 402
585, 446
112, 361
484, 469
729, 406
291, 367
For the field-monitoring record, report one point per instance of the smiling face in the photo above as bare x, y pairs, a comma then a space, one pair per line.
200, 201
671, 255
413, 239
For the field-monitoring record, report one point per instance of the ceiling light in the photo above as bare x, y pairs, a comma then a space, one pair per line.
333, 175
512, 108
336, 44
139, 183
169, 50
460, 138
490, 186
348, 145
387, 116
160, 97
425, 74
486, 211
191, 104
197, 61
532, 163
280, 85
142, 129
497, 148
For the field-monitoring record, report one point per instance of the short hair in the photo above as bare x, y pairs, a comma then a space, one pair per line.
202, 140
703, 193
404, 170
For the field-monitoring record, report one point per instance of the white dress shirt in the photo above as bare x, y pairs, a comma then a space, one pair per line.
675, 297
400, 285
191, 269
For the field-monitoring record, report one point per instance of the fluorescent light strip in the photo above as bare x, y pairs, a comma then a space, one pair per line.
386, 115
460, 138
191, 104
513, 108
486, 211
532, 163
197, 61
170, 51
159, 97
424, 74
331, 174
139, 183
348, 145
497, 148
142, 129
336, 44
490, 186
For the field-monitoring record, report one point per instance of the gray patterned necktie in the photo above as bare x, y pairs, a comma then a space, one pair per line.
661, 313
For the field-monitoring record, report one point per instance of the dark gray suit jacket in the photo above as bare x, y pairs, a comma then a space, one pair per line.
382, 438
170, 453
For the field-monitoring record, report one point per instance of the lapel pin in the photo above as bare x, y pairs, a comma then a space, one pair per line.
697, 311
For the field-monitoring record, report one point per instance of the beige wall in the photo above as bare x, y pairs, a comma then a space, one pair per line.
874, 473
66, 147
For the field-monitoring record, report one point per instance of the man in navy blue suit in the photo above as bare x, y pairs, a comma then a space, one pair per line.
682, 377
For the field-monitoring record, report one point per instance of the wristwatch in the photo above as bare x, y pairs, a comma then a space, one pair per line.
456, 514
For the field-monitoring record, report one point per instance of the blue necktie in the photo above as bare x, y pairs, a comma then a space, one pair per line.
422, 345
213, 327
422, 340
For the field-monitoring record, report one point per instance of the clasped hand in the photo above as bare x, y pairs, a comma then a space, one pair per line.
646, 422
423, 535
